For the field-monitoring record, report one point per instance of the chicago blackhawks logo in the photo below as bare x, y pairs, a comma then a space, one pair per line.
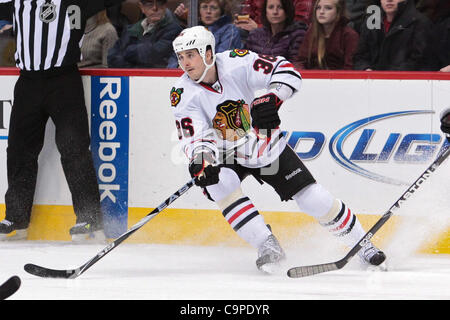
175, 96
238, 53
232, 120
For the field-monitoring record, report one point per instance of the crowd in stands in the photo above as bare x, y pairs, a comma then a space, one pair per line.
7, 43
401, 35
279, 34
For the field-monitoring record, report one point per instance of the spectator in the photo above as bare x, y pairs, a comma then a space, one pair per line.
215, 16
398, 43
7, 41
357, 10
173, 4
302, 9
6, 15
428, 7
124, 14
181, 11
329, 42
280, 35
99, 36
147, 43
439, 58
7, 46
253, 8
4, 25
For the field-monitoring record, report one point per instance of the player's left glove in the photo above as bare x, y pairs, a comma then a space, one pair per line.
445, 122
264, 111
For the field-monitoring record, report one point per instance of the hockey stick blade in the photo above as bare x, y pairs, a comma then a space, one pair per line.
49, 273
74, 273
304, 271
9, 287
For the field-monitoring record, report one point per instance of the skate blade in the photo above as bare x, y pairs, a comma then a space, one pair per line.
14, 236
271, 268
381, 267
94, 237
80, 237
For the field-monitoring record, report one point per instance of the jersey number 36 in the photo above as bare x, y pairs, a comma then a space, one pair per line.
184, 128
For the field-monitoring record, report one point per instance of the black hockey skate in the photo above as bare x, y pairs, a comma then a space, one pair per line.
7, 228
270, 254
83, 231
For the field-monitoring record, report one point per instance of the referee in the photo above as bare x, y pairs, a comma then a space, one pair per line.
48, 39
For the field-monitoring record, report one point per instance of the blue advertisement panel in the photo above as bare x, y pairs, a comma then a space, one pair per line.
110, 148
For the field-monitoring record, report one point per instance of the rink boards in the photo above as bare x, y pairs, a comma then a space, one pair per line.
365, 136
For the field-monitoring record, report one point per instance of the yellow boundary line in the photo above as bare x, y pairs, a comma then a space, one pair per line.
206, 227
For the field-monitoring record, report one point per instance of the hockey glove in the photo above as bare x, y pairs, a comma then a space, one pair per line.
445, 122
201, 166
264, 111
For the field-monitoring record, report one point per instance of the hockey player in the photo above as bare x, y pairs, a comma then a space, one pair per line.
228, 135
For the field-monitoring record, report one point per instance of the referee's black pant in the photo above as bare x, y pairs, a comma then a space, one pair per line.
38, 96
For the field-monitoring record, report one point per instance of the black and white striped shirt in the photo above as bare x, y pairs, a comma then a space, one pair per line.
49, 32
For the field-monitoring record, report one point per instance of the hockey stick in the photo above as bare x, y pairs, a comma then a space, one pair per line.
304, 271
9, 287
74, 273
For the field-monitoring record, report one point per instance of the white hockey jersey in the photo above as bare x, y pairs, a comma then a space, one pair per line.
218, 117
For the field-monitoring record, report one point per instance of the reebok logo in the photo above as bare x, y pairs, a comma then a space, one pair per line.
290, 175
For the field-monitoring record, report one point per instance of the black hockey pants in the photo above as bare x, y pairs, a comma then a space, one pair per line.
37, 97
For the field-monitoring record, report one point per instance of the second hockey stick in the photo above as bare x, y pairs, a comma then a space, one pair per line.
304, 271
9, 287
74, 273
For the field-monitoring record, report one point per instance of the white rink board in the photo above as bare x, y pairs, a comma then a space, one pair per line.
6, 97
323, 107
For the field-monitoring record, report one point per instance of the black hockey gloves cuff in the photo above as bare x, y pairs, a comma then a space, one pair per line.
264, 111
445, 122
201, 167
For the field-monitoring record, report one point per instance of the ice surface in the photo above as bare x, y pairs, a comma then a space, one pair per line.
179, 272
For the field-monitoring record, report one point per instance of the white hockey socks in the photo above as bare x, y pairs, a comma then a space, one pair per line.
342, 223
331, 213
245, 219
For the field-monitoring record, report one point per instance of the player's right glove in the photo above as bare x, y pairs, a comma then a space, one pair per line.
445, 122
264, 111
201, 167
